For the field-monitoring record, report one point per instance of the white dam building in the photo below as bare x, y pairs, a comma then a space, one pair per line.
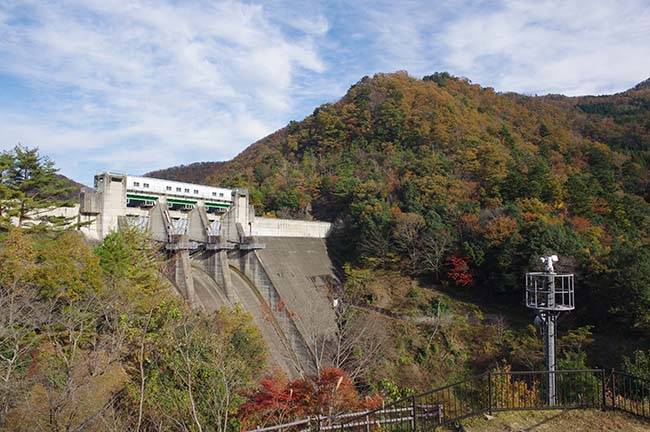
119, 199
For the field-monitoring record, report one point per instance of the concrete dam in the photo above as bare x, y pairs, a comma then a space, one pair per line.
220, 254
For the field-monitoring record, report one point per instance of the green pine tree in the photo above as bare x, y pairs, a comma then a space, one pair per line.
29, 187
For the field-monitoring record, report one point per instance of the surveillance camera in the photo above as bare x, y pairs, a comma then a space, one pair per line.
548, 263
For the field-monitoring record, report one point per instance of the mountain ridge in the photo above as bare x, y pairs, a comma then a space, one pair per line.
642, 85
202, 171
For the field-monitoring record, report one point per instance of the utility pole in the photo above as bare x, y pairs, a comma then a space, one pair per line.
549, 293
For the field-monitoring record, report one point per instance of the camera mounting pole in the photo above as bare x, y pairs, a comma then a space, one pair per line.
549, 293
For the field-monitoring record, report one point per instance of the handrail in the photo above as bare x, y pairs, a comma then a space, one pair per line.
582, 388
627, 374
361, 414
282, 426
545, 372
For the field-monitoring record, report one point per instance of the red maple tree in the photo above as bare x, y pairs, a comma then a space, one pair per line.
277, 400
459, 271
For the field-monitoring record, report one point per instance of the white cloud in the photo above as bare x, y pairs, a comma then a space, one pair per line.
315, 26
532, 46
138, 85
190, 81
384, 36
578, 47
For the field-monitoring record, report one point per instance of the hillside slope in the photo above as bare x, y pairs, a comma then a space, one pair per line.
195, 172
620, 120
549, 421
463, 187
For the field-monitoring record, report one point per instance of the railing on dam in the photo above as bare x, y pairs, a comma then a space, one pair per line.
487, 393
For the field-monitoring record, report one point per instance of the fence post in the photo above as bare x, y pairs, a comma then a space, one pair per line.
489, 376
367, 422
613, 389
414, 418
604, 393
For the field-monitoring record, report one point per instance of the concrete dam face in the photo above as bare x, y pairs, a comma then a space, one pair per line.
285, 287
222, 255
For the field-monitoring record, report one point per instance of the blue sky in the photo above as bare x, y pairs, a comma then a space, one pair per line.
135, 86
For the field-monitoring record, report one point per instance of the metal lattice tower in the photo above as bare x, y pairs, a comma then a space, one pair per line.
549, 293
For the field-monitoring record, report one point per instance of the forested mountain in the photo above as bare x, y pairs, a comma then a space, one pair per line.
443, 177
195, 172
619, 120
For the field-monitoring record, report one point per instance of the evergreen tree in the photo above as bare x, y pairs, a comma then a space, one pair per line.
29, 187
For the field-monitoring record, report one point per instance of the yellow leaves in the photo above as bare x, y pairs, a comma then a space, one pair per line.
493, 202
493, 159
500, 229
64, 266
469, 158
518, 391
330, 129
17, 259
603, 149
69, 267
440, 189
236, 332
555, 189
292, 143
486, 162
532, 209
368, 189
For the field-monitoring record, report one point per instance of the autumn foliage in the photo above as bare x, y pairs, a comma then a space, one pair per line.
415, 171
278, 400
459, 271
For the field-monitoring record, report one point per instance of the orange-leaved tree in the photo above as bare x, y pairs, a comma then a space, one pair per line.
278, 400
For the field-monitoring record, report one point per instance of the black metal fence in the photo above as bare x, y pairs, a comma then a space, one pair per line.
529, 390
492, 392
628, 393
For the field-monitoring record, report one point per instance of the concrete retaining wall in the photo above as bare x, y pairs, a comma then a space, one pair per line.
268, 227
